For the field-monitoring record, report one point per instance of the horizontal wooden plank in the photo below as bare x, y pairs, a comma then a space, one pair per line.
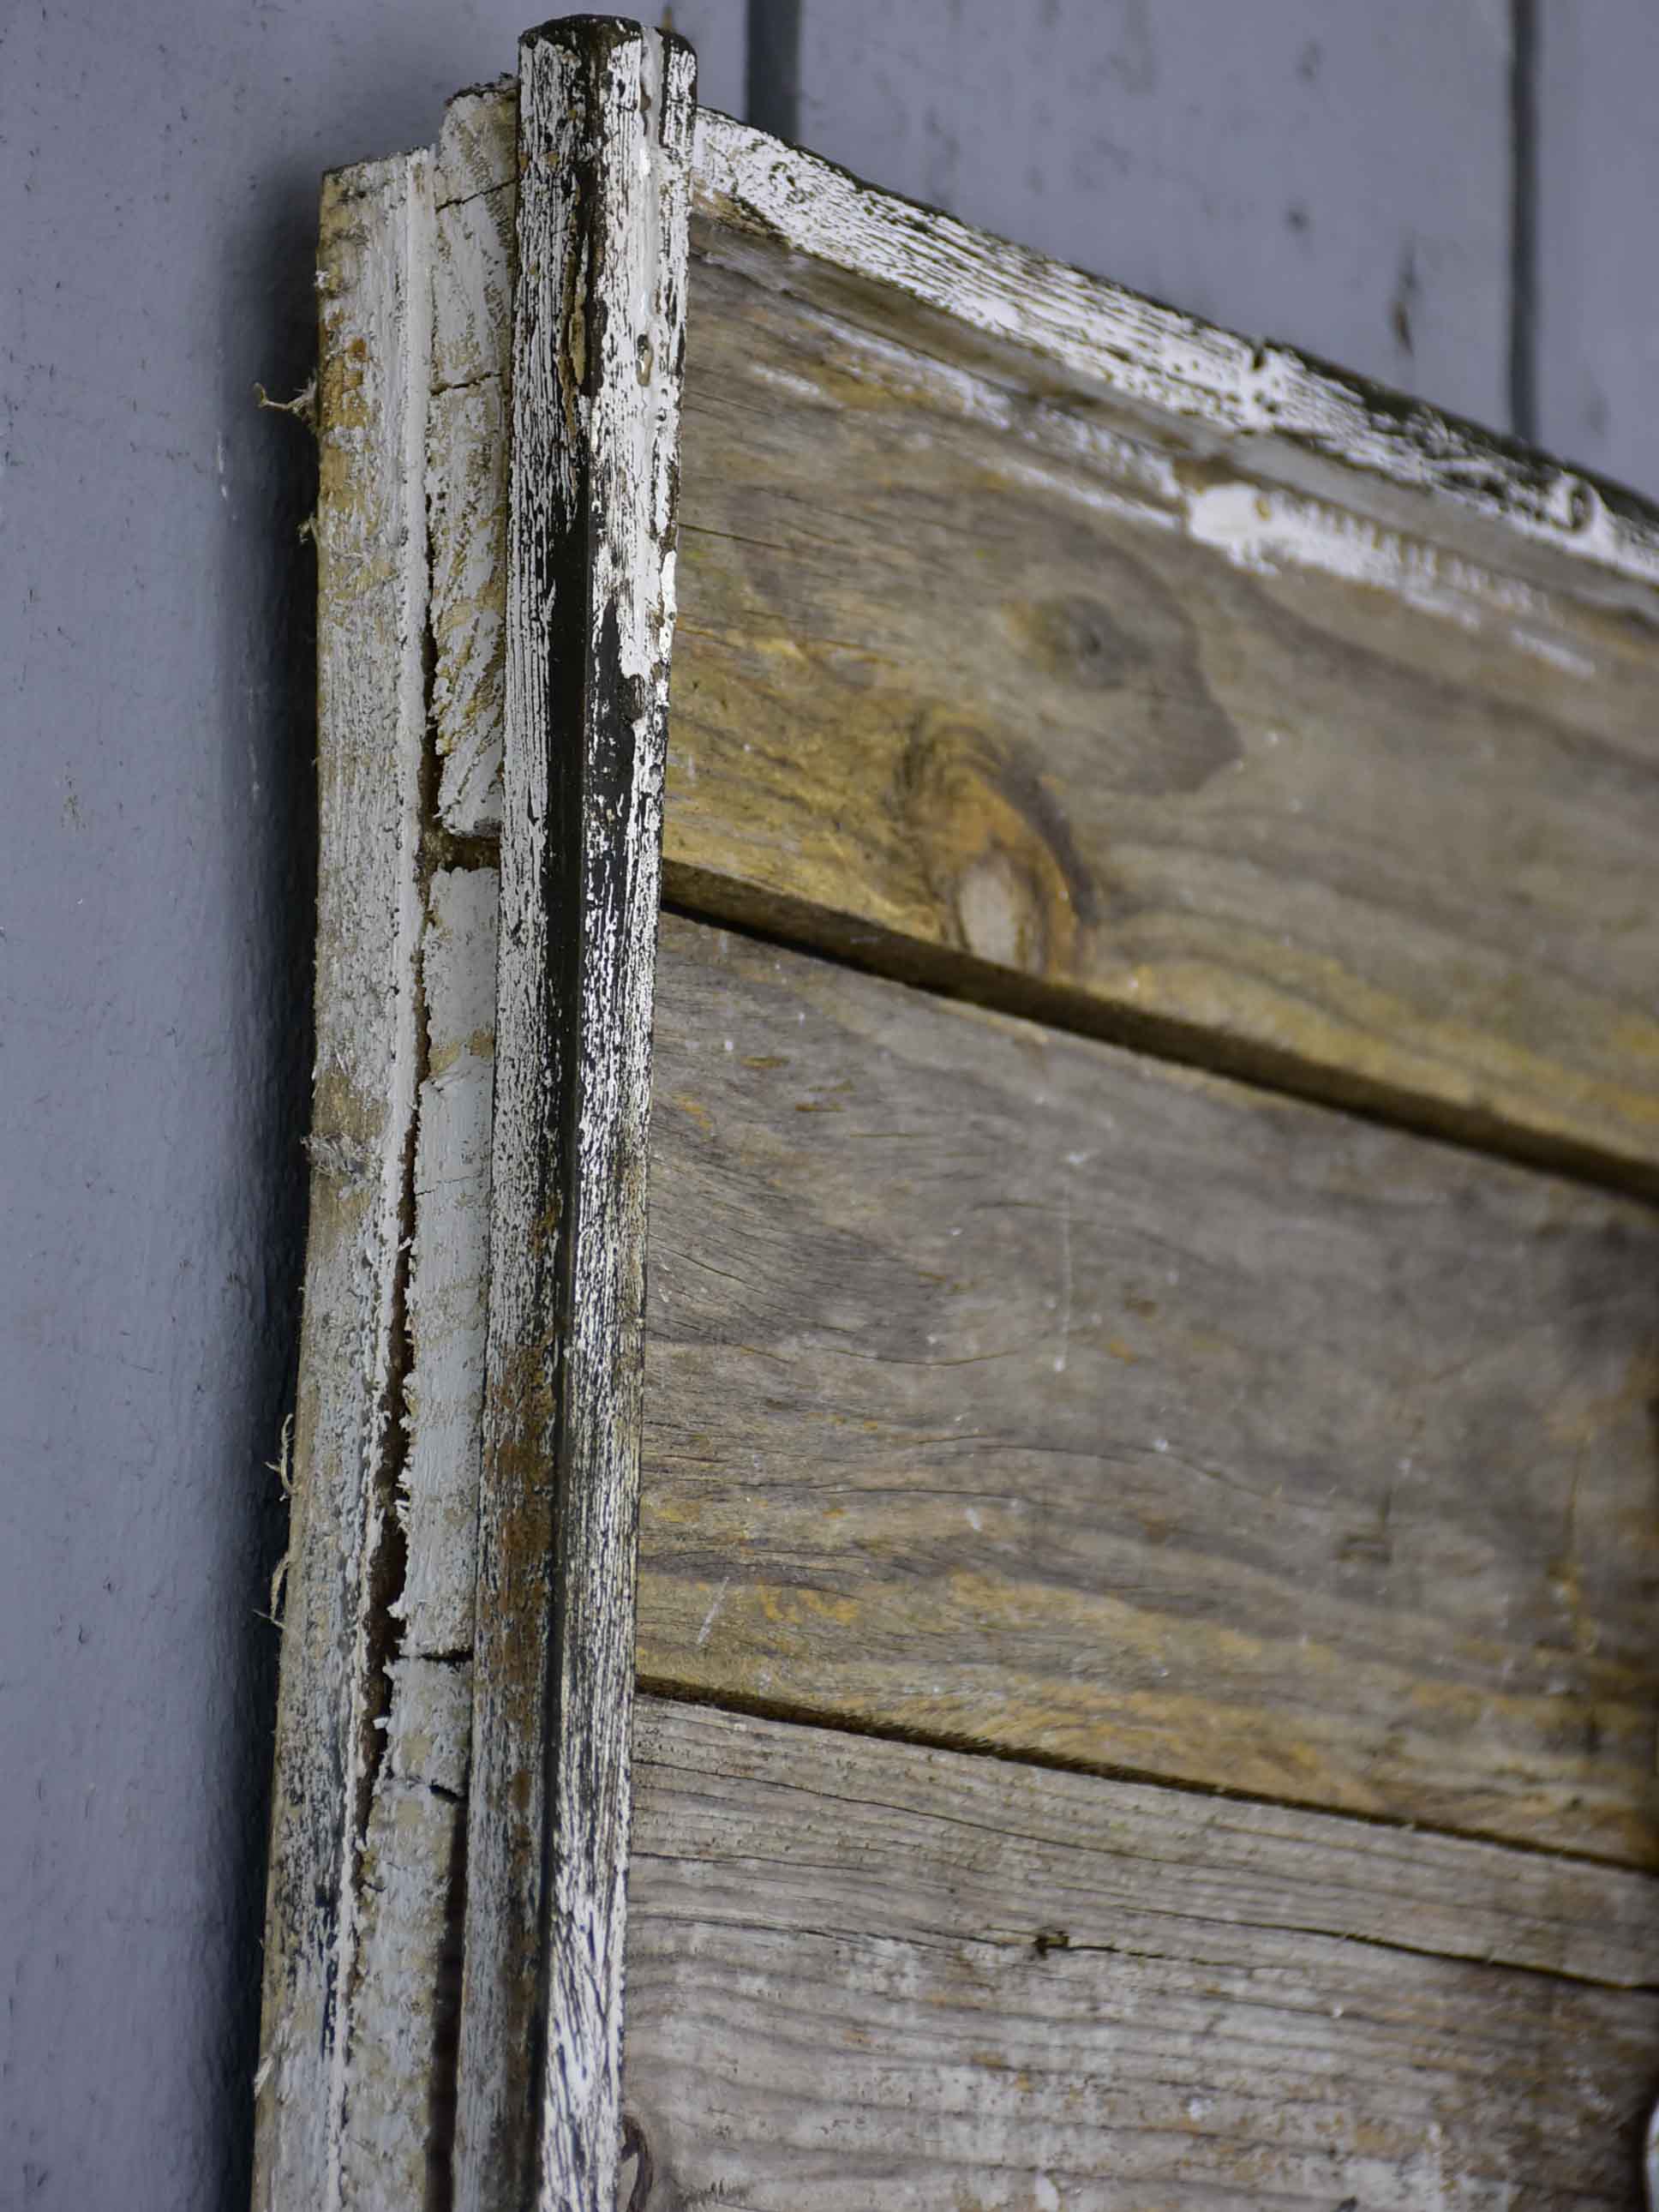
861, 1973
1008, 1387
1048, 705
1097, 338
1048, 645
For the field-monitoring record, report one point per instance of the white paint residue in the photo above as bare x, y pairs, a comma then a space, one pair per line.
1115, 342
1082, 493
784, 380
1266, 530
712, 1614
1559, 655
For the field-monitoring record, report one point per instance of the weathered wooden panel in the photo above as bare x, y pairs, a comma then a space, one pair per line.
1027, 648
473, 267
1219, 765
860, 1973
1007, 1387
394, 2127
449, 1263
1336, 177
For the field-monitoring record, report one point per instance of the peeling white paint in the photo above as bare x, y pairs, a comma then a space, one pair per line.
1112, 341
1266, 530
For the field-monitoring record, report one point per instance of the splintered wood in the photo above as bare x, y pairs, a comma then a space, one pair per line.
327, 1927
437, 2028
605, 122
1238, 1517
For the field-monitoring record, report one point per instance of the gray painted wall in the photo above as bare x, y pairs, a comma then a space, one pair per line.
1340, 177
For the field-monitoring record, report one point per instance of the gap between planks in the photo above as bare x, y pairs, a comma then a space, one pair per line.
669, 1691
718, 902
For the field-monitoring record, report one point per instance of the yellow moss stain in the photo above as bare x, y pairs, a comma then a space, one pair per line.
694, 1110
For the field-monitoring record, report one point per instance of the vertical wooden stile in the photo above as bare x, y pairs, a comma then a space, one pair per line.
372, 579
604, 129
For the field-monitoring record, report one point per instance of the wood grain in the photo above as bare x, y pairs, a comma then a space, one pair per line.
862, 1972
1049, 647
843, 239
319, 2075
1028, 701
1097, 338
449, 1268
1008, 1389
605, 118
473, 268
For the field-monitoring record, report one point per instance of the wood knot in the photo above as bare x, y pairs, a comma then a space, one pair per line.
994, 850
1077, 638
1128, 678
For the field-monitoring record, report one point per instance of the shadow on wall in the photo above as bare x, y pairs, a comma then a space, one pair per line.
267, 649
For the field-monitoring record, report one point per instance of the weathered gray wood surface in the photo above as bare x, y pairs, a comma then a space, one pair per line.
850, 242
336, 1685
1029, 646
604, 121
1008, 1389
865, 1973
989, 686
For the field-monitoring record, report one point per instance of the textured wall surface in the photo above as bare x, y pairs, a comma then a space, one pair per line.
1335, 176
1347, 185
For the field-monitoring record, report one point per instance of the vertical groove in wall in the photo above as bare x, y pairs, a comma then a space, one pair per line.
1523, 219
774, 78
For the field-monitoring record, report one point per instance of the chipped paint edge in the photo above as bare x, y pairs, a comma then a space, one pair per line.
605, 133
1117, 342
372, 582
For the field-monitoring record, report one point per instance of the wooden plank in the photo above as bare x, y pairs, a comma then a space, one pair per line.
394, 2128
865, 1972
604, 143
1029, 706
1596, 331
1008, 1390
847, 240
449, 1268
476, 189
373, 375
1027, 649
476, 192
397, 2121
1338, 178
1276, 408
